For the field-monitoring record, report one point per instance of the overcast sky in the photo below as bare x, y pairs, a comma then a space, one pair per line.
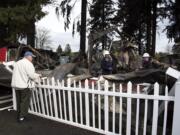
60, 36
56, 28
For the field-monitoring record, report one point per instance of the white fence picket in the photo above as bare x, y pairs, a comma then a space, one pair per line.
145, 116
37, 100
99, 105
54, 98
45, 97
128, 124
50, 102
165, 112
34, 101
87, 102
155, 110
113, 109
75, 102
41, 99
106, 106
80, 98
69, 100
31, 105
93, 106
120, 110
49, 98
46, 102
64, 102
137, 112
59, 98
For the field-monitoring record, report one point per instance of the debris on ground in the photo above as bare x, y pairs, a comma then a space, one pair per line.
61, 71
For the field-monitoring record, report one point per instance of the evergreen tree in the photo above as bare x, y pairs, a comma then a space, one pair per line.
132, 19
17, 20
12, 3
59, 50
65, 8
67, 49
138, 19
101, 12
173, 30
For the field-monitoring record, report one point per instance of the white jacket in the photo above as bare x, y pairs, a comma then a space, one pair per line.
23, 74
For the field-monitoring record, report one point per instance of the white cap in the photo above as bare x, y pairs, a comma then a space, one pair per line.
105, 52
146, 55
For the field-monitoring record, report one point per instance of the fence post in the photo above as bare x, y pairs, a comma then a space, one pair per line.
14, 99
176, 116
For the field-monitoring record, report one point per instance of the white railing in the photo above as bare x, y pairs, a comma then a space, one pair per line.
5, 102
106, 109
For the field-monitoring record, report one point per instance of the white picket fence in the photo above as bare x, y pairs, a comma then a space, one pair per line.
107, 109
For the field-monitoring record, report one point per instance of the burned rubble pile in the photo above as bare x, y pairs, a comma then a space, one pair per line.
127, 67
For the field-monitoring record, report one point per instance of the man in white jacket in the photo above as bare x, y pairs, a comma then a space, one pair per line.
23, 78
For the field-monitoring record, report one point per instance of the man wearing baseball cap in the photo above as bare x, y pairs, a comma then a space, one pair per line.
23, 78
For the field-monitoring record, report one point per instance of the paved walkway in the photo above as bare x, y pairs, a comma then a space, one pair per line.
36, 126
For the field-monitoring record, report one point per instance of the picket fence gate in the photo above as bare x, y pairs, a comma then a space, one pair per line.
106, 109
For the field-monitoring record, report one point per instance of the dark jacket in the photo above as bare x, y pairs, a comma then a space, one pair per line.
107, 66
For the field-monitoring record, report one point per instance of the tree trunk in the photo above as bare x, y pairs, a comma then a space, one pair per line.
90, 48
103, 27
154, 17
83, 27
149, 27
139, 41
31, 34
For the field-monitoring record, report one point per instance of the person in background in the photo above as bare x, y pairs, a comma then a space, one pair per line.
107, 63
23, 77
146, 61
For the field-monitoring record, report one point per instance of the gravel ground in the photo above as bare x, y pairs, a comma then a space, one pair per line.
36, 126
